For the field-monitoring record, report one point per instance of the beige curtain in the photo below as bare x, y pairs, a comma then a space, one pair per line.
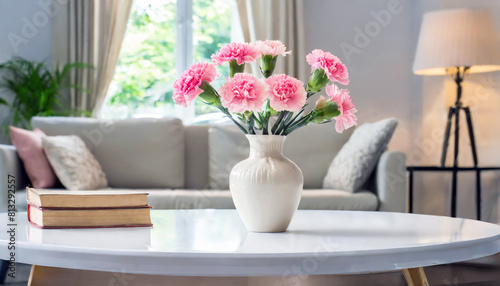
90, 31
277, 20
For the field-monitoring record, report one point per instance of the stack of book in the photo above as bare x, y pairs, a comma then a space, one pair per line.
87, 209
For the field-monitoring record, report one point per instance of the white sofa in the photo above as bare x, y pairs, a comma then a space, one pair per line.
185, 167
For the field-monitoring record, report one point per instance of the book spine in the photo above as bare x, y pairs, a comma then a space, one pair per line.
82, 209
29, 213
82, 227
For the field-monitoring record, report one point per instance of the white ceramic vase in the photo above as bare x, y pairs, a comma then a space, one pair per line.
266, 188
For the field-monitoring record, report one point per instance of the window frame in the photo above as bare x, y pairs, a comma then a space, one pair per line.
184, 51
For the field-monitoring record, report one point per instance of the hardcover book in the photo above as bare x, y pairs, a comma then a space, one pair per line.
87, 209
89, 218
85, 199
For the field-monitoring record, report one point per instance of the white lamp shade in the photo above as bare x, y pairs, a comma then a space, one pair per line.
457, 38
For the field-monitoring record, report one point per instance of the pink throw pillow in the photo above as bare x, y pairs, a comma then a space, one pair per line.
30, 150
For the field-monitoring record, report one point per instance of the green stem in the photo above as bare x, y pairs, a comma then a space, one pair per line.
300, 123
278, 121
228, 114
265, 118
258, 120
265, 127
326, 121
295, 117
237, 124
284, 123
250, 124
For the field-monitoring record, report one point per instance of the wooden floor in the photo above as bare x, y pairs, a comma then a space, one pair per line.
466, 274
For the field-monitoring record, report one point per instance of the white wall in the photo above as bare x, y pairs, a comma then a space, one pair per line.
383, 85
24, 32
378, 65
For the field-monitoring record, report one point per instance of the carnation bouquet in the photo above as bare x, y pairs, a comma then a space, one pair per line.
274, 104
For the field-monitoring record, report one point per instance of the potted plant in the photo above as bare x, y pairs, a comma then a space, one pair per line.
37, 90
266, 188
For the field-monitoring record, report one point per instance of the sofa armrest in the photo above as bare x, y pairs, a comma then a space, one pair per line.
10, 166
391, 182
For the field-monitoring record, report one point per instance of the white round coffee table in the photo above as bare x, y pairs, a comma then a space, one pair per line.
215, 243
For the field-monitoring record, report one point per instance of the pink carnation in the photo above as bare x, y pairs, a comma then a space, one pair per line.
341, 96
333, 67
243, 93
286, 93
241, 52
273, 48
187, 87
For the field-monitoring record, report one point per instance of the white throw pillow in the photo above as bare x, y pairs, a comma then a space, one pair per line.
74, 165
357, 159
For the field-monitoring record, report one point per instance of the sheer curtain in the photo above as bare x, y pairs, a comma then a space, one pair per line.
92, 32
277, 20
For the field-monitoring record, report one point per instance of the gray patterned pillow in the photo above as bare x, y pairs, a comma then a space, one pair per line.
357, 159
74, 165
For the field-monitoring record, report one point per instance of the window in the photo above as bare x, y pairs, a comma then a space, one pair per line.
163, 38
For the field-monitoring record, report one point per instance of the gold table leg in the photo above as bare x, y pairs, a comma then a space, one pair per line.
415, 277
50, 276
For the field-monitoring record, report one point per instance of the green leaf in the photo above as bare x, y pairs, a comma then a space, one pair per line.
36, 88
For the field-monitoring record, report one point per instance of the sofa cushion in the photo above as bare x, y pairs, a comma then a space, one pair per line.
227, 146
356, 161
196, 158
30, 149
75, 166
312, 148
134, 153
319, 199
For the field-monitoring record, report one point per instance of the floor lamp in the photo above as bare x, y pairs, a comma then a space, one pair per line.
457, 42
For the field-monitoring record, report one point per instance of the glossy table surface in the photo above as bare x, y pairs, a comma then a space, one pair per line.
216, 243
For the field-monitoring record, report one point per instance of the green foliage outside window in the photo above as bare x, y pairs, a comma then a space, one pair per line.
146, 71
